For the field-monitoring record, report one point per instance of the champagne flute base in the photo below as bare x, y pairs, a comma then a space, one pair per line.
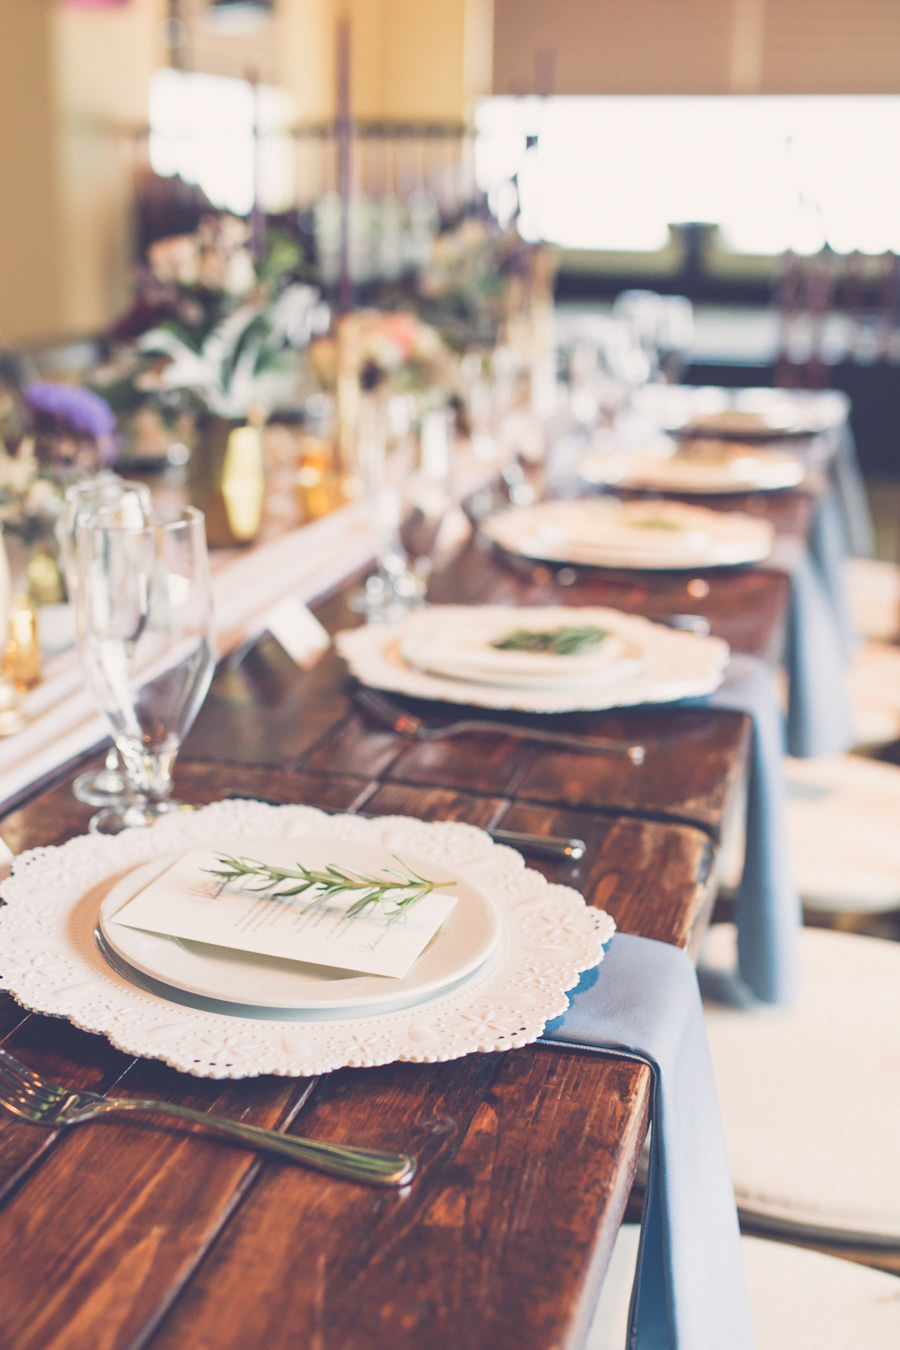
132, 815
102, 787
389, 593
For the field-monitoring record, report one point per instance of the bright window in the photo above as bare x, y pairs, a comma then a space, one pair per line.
202, 128
774, 173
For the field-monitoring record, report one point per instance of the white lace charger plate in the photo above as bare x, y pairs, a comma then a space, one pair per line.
647, 536
52, 963
256, 985
673, 665
702, 467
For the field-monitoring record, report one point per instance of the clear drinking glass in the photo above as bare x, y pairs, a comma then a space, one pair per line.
427, 516
107, 786
145, 635
675, 337
405, 473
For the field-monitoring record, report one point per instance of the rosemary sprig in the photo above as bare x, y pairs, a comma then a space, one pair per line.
567, 640
396, 890
657, 523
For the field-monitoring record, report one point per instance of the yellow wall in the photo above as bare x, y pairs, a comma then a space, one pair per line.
30, 270
411, 59
102, 68
305, 55
74, 95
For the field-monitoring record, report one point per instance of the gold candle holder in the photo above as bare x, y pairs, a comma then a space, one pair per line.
22, 659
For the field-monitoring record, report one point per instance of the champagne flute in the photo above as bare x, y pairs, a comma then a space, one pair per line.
427, 515
384, 455
107, 786
144, 614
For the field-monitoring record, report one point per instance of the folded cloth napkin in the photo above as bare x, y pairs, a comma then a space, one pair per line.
689, 1291
829, 551
767, 907
819, 720
815, 658
850, 493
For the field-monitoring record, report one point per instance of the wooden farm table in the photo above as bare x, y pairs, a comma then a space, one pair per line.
116, 1236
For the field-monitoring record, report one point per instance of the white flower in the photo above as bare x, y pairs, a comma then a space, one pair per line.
42, 498
175, 259
240, 274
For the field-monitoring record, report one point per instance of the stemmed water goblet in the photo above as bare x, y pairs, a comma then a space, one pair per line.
675, 337
108, 785
404, 475
145, 635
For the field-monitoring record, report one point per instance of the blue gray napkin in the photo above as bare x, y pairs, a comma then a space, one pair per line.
689, 1291
768, 914
829, 550
819, 720
850, 493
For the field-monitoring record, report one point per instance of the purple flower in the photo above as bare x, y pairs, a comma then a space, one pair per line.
78, 410
69, 410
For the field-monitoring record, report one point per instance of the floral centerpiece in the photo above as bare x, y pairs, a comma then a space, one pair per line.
211, 345
212, 328
463, 289
52, 435
394, 351
30, 500
73, 429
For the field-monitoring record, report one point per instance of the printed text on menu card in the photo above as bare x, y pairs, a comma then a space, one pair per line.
186, 902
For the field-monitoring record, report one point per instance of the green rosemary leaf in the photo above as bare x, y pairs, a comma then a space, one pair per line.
395, 890
566, 640
656, 523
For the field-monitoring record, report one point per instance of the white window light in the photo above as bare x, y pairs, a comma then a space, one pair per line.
613, 173
202, 128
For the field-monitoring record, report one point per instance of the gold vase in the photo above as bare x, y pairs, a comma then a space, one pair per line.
227, 480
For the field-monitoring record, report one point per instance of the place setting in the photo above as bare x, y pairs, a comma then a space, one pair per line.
535, 659
696, 467
651, 538
755, 414
645, 536
243, 938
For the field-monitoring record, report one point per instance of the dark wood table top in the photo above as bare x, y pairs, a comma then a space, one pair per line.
123, 1235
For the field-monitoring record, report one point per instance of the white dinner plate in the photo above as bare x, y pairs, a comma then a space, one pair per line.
672, 664
699, 467
645, 536
756, 412
761, 414
465, 941
467, 652
742, 422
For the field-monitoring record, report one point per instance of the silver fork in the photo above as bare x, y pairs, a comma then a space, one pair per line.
25, 1094
414, 729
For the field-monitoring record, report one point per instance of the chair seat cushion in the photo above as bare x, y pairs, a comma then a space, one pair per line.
810, 1095
873, 596
799, 1300
844, 824
874, 688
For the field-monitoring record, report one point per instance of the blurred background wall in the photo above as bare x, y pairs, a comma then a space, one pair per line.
76, 92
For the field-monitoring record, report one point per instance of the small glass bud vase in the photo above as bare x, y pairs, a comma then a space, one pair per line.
227, 478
